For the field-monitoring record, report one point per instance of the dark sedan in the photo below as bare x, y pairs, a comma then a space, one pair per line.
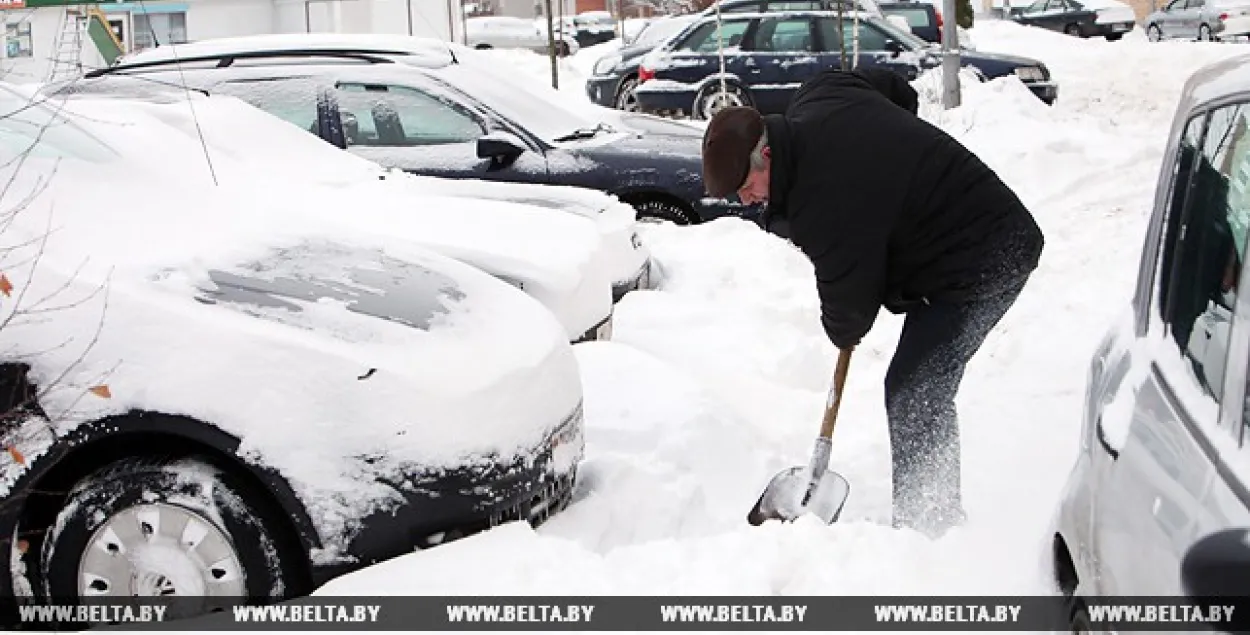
1081, 18
615, 76
768, 56
456, 119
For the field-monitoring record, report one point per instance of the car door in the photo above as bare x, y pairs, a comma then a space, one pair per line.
422, 129
1173, 16
1165, 488
779, 55
696, 57
1191, 18
874, 47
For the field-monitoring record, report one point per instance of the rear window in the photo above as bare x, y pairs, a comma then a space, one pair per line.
914, 17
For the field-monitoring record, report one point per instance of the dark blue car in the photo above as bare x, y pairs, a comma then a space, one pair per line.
450, 116
767, 56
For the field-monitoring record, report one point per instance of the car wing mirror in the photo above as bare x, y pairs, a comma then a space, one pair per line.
894, 47
500, 146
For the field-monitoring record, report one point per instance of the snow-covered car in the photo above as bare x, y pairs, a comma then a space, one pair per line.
207, 392
1199, 20
1156, 503
559, 259
460, 116
502, 32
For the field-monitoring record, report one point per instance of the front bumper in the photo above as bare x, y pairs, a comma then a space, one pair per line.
1046, 91
1113, 28
602, 90
600, 332
440, 506
644, 279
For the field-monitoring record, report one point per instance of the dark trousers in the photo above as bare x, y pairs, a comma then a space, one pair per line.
937, 342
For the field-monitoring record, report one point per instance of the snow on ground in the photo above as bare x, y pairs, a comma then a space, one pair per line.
717, 380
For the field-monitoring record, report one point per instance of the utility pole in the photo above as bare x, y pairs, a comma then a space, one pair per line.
950, 56
551, 46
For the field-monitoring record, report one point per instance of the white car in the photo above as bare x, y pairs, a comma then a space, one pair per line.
557, 258
501, 32
212, 393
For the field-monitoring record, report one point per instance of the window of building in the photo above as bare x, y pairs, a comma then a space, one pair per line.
17, 40
158, 29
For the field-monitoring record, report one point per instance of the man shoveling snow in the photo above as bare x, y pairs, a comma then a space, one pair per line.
892, 212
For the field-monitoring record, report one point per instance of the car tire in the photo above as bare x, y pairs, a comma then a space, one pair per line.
1114, 37
1073, 30
625, 99
239, 551
1154, 33
711, 100
659, 211
1204, 33
482, 47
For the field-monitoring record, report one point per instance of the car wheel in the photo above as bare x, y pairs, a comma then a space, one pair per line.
562, 49
1073, 30
482, 47
1204, 33
146, 528
657, 211
712, 100
1154, 33
625, 98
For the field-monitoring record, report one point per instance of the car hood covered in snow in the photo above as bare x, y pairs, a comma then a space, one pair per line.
337, 356
557, 258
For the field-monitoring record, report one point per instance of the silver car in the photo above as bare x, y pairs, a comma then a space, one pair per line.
1203, 20
1163, 470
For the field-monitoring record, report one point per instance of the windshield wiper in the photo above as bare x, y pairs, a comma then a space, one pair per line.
585, 133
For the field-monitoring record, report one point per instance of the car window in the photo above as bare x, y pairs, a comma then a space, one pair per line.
1175, 5
745, 7
1205, 268
783, 35
34, 127
914, 17
793, 5
871, 38
291, 100
382, 115
705, 39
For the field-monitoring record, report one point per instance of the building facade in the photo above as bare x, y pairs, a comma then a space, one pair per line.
33, 28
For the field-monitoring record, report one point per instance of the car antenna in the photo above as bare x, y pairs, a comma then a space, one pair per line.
452, 53
183, 78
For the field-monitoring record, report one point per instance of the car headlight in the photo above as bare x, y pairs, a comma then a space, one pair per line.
606, 64
1030, 74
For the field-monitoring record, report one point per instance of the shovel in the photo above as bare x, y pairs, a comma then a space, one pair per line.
810, 488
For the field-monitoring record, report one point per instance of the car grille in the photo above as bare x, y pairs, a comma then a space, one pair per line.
553, 498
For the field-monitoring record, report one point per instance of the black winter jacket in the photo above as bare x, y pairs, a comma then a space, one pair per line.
890, 209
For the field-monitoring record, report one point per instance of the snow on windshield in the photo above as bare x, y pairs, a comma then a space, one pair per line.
660, 30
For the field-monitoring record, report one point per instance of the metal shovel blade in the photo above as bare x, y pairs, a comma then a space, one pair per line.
783, 498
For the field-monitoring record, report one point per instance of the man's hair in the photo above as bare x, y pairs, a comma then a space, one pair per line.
731, 147
757, 153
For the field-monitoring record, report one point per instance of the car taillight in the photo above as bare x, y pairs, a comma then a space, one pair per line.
939, 17
645, 74
1223, 16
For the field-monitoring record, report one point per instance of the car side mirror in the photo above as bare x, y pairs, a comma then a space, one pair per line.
1218, 565
500, 147
894, 47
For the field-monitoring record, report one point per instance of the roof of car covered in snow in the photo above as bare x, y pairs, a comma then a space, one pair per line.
1216, 82
437, 51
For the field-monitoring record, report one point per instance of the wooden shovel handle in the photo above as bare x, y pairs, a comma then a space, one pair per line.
835, 397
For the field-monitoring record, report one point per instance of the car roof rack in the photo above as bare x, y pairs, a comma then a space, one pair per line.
226, 59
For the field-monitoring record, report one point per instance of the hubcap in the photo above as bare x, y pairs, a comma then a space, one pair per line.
714, 103
157, 549
627, 101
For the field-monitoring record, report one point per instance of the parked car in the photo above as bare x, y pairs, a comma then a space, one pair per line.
1082, 18
456, 118
1163, 443
206, 394
771, 54
594, 27
615, 76
1202, 20
501, 32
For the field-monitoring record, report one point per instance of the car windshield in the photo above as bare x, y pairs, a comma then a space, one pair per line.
542, 115
658, 31
33, 126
